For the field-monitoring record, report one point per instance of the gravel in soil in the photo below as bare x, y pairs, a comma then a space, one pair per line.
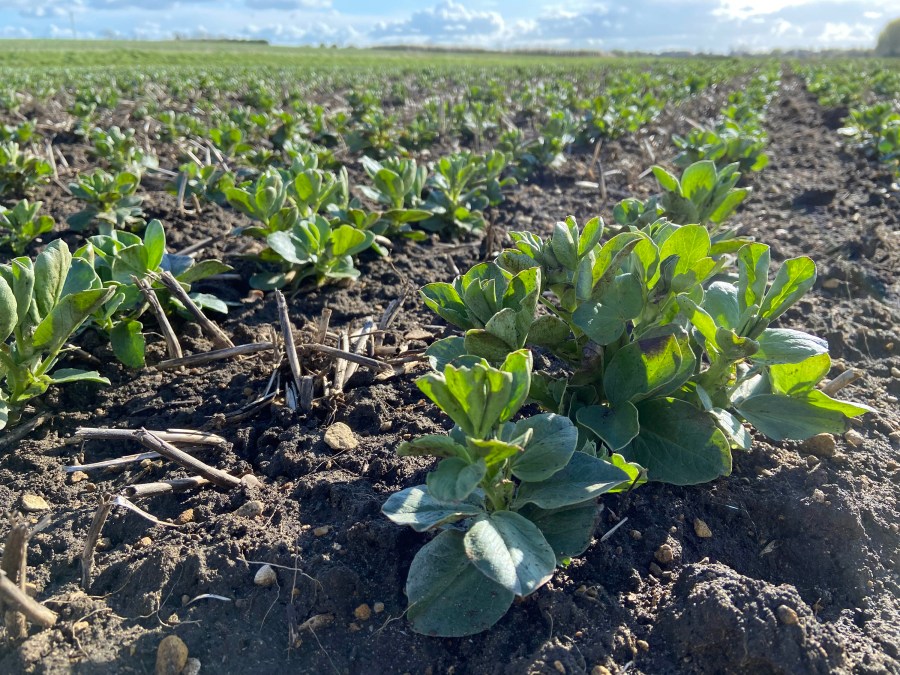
795, 569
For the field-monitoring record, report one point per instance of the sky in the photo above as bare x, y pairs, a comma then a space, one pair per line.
648, 25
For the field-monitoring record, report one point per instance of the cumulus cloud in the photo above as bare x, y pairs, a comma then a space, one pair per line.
448, 22
647, 25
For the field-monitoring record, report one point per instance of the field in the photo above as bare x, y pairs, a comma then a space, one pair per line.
343, 182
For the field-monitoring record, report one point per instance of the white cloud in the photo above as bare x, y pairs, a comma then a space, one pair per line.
448, 22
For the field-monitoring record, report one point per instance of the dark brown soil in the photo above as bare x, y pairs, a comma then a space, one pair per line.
800, 574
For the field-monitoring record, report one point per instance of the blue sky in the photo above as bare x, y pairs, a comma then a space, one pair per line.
652, 25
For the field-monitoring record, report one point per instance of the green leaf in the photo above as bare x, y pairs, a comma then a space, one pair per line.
419, 510
518, 366
288, 247
67, 315
678, 443
794, 279
511, 551
50, 270
455, 479
444, 300
548, 331
783, 345
568, 530
347, 240
590, 236
698, 179
666, 180
799, 417
753, 270
155, 243
203, 269
66, 375
584, 478
796, 378
8, 312
448, 595
615, 426
486, 345
431, 445
443, 352
734, 431
727, 206
128, 342
4, 414
552, 443
641, 367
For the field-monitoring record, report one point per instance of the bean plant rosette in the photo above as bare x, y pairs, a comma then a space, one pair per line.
508, 500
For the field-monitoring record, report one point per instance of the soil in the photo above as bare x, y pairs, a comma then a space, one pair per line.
800, 573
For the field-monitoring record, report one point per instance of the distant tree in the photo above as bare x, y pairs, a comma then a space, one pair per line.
889, 40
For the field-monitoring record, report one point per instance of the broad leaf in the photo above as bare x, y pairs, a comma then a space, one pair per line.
417, 508
615, 426
584, 478
678, 443
552, 443
568, 530
510, 550
128, 342
799, 417
448, 595
454, 479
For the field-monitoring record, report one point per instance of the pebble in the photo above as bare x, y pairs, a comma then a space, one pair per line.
820, 445
322, 531
378, 607
559, 667
664, 554
894, 438
701, 529
251, 509
32, 503
818, 496
192, 667
787, 616
171, 656
895, 372
79, 626
144, 542
831, 284
185, 517
643, 645
77, 476
635, 534
418, 334
265, 576
340, 437
250, 481
854, 438
363, 612
600, 670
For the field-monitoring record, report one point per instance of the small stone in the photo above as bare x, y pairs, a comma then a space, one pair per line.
250, 481
854, 438
600, 670
171, 656
192, 667
79, 626
643, 645
340, 437
787, 616
635, 534
322, 531
701, 529
818, 496
265, 576
185, 600
251, 509
378, 607
664, 554
144, 542
820, 445
185, 517
895, 372
418, 334
831, 284
104, 544
32, 503
355, 627
363, 612
77, 476
559, 667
